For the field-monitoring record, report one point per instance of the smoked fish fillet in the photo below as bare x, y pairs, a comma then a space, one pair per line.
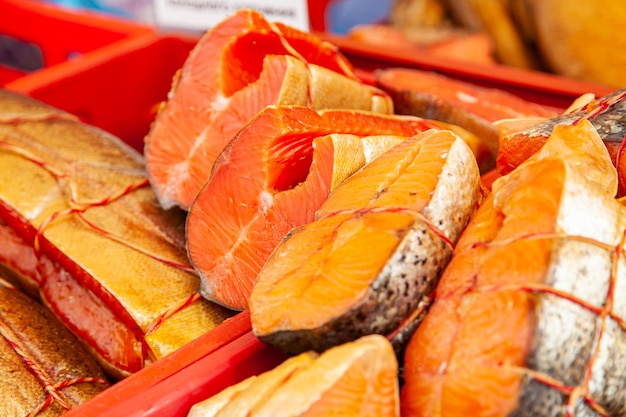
44, 369
81, 229
476, 108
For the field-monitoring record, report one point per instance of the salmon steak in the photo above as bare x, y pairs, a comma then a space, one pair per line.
238, 67
528, 316
358, 378
607, 114
81, 230
436, 96
273, 176
371, 259
45, 370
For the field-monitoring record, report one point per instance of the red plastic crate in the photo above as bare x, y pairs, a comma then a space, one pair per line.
51, 36
121, 86
120, 89
154, 393
169, 386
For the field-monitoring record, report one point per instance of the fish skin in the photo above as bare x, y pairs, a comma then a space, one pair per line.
609, 122
583, 270
393, 294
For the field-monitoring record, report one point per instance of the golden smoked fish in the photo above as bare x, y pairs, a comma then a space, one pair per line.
44, 369
81, 229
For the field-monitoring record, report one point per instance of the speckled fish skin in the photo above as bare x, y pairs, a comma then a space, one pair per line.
118, 257
572, 344
610, 125
531, 305
403, 201
607, 115
399, 288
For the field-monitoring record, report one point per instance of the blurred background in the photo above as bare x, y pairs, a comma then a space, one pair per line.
578, 39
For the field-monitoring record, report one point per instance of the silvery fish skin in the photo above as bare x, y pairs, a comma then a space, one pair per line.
606, 114
530, 307
402, 286
579, 340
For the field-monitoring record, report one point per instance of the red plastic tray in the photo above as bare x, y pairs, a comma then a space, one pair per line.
122, 85
120, 89
50, 36
124, 72
174, 393
168, 387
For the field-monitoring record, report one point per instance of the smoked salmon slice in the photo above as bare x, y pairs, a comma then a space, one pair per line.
519, 140
272, 177
374, 254
359, 378
236, 69
81, 229
240, 399
527, 319
436, 96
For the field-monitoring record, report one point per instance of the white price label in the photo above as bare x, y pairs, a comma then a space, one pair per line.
200, 15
